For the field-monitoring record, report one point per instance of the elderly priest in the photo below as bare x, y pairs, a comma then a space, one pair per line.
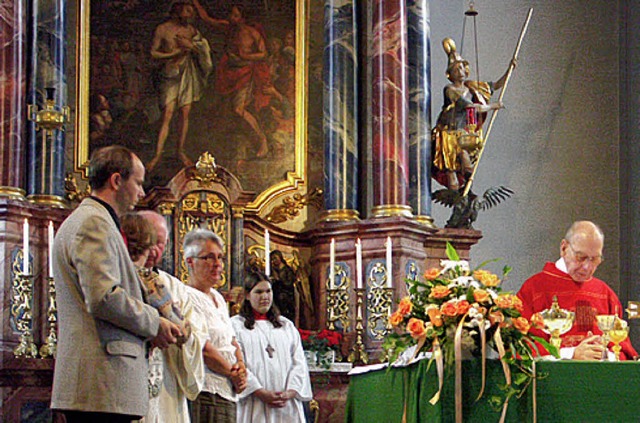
571, 280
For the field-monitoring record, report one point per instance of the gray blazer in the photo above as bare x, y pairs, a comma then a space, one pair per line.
101, 363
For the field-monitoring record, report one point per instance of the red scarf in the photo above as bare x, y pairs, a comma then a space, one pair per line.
259, 316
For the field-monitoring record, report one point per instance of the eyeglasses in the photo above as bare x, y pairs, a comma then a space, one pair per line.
210, 258
581, 258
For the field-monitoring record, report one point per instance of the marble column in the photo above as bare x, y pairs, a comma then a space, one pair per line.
45, 153
237, 245
419, 114
340, 111
13, 54
168, 257
388, 56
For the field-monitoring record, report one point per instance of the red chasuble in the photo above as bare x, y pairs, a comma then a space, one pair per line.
586, 299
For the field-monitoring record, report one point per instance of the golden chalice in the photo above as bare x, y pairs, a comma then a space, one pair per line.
557, 322
617, 334
605, 324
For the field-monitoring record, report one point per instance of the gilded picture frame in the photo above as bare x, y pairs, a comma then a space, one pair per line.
121, 78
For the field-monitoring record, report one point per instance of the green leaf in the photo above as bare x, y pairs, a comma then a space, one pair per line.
484, 263
519, 378
547, 346
506, 270
452, 254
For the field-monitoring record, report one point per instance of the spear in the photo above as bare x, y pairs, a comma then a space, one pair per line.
495, 113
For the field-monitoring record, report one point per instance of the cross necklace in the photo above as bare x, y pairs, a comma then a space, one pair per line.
269, 349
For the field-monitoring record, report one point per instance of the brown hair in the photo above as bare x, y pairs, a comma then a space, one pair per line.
252, 278
107, 161
139, 233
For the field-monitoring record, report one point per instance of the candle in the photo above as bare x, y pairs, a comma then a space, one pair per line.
332, 264
389, 256
50, 229
25, 247
359, 264
267, 254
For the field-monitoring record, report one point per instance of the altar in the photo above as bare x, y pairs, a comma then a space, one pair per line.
566, 391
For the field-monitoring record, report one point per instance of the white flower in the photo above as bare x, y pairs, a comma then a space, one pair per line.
447, 265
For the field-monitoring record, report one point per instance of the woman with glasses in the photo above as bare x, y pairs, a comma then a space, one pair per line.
225, 375
277, 374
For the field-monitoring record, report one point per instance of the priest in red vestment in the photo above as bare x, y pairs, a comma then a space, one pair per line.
571, 280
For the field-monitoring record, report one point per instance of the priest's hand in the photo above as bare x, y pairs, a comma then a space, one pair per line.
590, 348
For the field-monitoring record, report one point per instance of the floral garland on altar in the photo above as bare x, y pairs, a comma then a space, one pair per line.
456, 309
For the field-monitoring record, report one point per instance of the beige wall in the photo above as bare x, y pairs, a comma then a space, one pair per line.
556, 144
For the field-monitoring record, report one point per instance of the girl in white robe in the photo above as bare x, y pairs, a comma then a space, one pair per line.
277, 375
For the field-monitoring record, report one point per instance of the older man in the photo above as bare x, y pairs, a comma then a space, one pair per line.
101, 366
177, 373
571, 280
226, 373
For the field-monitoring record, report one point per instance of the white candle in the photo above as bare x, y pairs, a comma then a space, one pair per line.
389, 257
332, 264
359, 264
267, 253
25, 247
50, 229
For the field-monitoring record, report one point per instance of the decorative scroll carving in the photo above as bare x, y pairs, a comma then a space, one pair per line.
206, 170
72, 193
203, 209
379, 301
338, 315
291, 206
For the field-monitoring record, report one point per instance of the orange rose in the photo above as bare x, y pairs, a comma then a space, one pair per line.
435, 316
481, 296
449, 309
496, 317
522, 324
504, 301
537, 321
431, 274
517, 303
462, 307
416, 328
487, 278
405, 306
439, 291
395, 319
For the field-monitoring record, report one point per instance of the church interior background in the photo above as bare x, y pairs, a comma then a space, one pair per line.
566, 144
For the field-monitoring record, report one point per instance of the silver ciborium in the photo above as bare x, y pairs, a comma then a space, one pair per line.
557, 322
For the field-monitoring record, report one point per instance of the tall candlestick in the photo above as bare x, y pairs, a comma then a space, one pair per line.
359, 264
50, 229
25, 247
267, 253
389, 257
332, 264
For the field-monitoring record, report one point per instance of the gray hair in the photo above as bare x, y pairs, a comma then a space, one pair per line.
583, 227
195, 239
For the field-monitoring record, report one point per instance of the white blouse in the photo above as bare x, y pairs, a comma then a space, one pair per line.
221, 334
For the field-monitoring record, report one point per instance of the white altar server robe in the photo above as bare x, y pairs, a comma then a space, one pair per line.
287, 369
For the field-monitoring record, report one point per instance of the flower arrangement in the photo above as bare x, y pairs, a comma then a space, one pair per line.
321, 343
455, 307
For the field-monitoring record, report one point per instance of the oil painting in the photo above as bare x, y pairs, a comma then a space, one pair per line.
173, 79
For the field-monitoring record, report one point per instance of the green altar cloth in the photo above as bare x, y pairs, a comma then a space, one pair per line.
566, 391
